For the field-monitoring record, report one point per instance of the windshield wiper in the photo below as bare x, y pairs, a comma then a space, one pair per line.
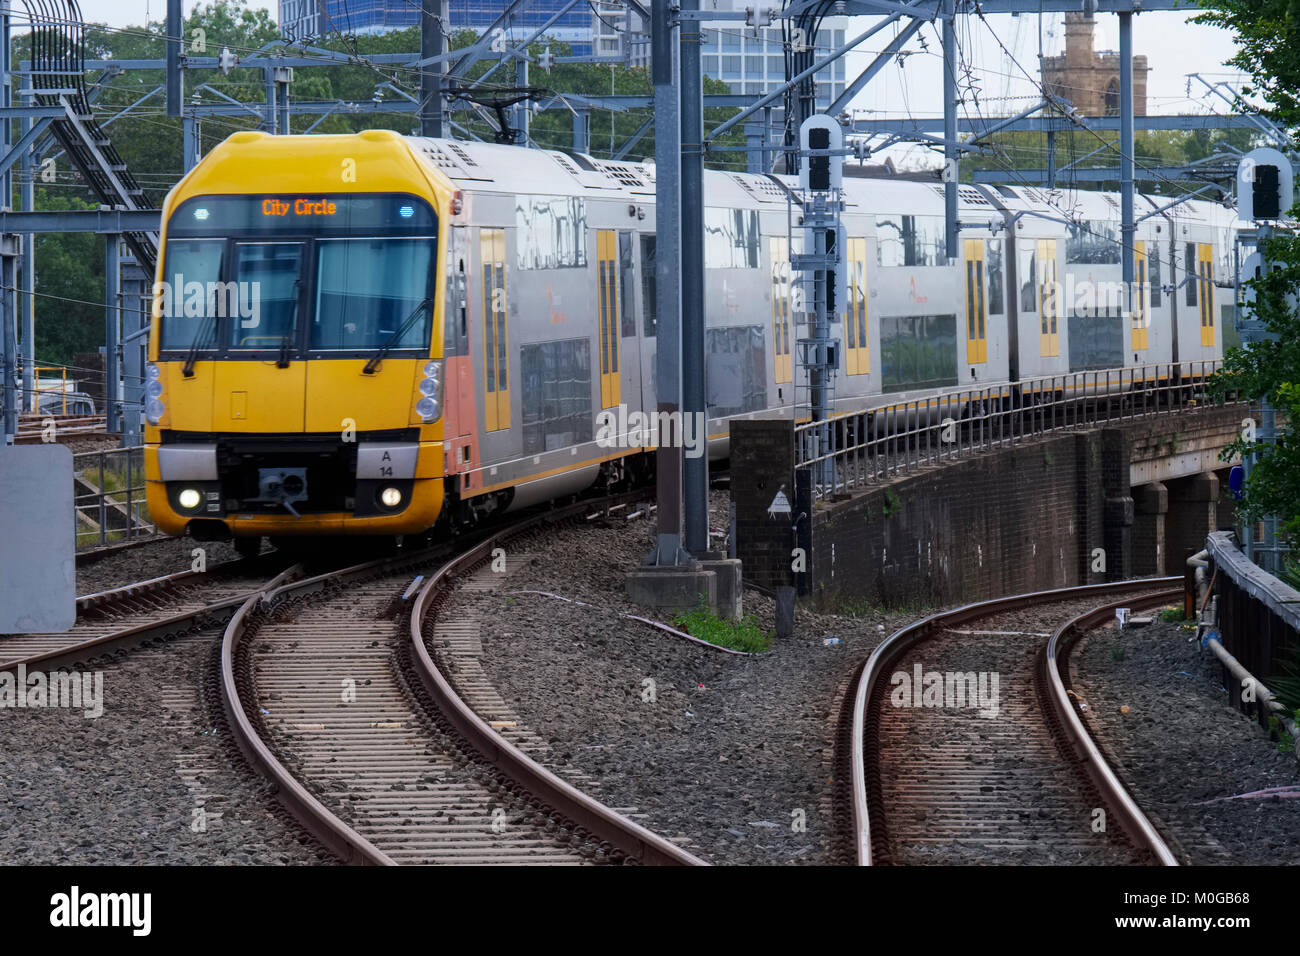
209, 325
283, 360
370, 366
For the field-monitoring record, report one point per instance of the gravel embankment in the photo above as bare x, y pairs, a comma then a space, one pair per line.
1184, 751
148, 781
732, 753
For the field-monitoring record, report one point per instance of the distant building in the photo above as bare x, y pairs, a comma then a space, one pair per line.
750, 61
302, 19
1091, 80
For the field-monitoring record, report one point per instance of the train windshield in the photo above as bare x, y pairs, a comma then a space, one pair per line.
330, 276
366, 291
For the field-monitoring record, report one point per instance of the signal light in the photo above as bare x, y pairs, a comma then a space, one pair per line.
819, 167
1267, 202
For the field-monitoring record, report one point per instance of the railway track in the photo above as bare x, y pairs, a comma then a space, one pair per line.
331, 691
134, 613
1013, 775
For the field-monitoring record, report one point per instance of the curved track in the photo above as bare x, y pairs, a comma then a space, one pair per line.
337, 699
1013, 779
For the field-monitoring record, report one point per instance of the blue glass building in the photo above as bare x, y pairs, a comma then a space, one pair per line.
305, 18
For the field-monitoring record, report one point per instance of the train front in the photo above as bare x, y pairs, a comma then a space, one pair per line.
295, 382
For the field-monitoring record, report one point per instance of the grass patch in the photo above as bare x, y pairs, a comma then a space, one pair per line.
743, 635
1172, 615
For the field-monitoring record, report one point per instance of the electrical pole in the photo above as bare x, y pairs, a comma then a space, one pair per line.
668, 283
175, 27
1128, 229
695, 469
951, 155
432, 43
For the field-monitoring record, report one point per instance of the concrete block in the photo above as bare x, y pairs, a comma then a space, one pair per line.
673, 589
731, 604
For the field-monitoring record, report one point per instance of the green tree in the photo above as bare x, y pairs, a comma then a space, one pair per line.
1268, 32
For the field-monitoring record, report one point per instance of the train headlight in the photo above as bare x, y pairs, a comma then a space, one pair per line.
189, 498
391, 497
429, 407
153, 389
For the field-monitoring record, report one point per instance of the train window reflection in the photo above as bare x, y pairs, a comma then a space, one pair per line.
730, 239
551, 232
367, 290
910, 241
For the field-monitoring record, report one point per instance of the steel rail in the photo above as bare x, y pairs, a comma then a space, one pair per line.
344, 840
876, 666
1054, 665
630, 837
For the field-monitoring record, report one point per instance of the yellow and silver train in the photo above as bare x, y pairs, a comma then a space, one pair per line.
369, 334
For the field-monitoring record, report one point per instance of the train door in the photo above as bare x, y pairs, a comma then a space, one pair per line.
460, 413
778, 255
1141, 319
607, 309
857, 350
257, 390
1205, 279
626, 280
1049, 307
977, 342
496, 338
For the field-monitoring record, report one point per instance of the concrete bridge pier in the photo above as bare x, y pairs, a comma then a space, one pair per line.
1192, 515
1150, 507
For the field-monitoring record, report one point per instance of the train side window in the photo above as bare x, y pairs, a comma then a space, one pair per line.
994, 263
1029, 284
648, 286
1153, 270
1190, 269
626, 286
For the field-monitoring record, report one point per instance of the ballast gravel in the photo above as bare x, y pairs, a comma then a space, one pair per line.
1194, 763
730, 755
155, 779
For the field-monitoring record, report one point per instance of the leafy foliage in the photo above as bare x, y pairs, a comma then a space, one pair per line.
1268, 32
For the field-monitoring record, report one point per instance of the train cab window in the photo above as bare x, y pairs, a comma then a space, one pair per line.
370, 292
194, 264
274, 269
